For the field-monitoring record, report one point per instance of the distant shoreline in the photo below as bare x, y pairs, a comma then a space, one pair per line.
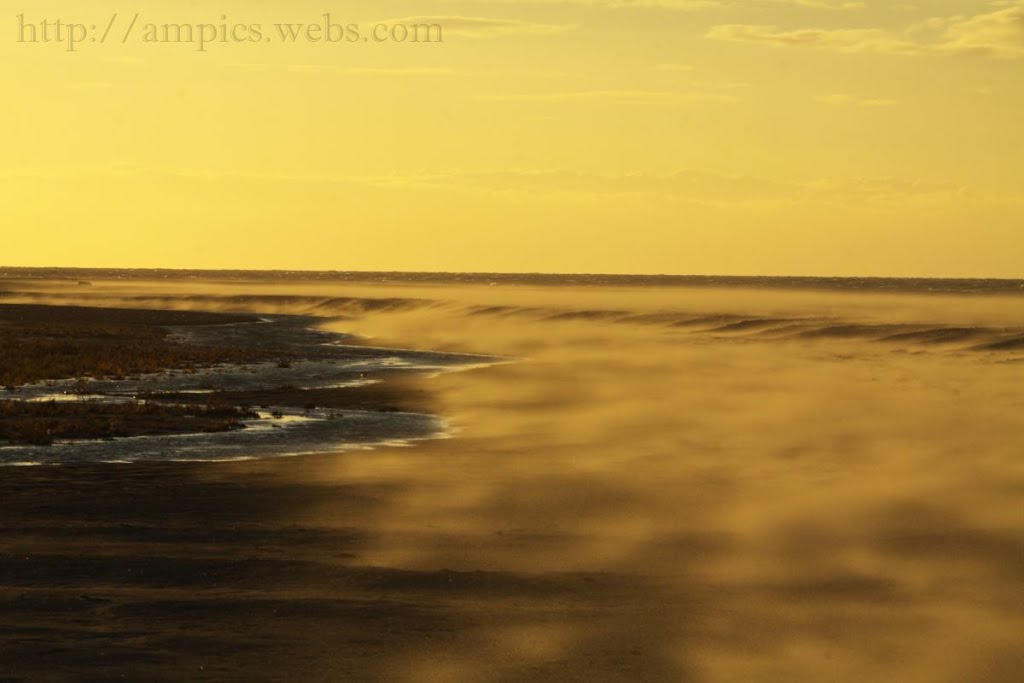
919, 285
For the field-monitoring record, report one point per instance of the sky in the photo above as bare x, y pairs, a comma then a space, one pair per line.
767, 137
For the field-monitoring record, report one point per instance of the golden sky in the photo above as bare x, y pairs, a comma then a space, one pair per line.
653, 136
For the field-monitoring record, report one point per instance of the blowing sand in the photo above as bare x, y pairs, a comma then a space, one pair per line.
664, 485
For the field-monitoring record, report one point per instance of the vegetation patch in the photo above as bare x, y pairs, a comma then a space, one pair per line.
63, 342
40, 343
42, 423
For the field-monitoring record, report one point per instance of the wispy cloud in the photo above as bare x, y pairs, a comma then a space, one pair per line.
684, 185
344, 70
841, 40
673, 68
125, 59
688, 5
91, 85
999, 33
696, 186
853, 100
620, 96
683, 5
480, 27
409, 71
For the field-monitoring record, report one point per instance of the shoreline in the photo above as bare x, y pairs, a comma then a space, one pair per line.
313, 392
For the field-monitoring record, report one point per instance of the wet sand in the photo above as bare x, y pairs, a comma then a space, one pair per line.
633, 499
228, 573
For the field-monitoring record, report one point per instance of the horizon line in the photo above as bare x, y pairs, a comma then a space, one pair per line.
506, 274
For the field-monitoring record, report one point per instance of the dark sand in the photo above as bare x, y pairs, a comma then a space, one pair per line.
219, 572
630, 501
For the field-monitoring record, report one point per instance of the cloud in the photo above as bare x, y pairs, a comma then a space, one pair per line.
124, 59
685, 185
91, 85
673, 68
692, 186
882, 190
480, 27
841, 40
999, 33
688, 5
822, 4
842, 99
411, 71
620, 96
345, 70
683, 5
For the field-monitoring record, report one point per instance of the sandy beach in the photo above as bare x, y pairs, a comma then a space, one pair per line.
661, 484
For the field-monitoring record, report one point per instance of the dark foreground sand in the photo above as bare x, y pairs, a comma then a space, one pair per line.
636, 499
222, 572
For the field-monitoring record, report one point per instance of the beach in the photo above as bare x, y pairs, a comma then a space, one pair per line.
657, 482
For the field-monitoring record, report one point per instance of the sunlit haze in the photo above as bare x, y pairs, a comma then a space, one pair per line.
769, 137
